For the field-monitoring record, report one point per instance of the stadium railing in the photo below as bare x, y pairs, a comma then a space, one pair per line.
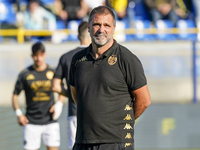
21, 33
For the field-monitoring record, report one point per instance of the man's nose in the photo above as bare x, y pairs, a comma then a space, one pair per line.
101, 29
38, 58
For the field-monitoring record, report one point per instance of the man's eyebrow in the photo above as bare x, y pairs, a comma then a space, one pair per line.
96, 23
107, 24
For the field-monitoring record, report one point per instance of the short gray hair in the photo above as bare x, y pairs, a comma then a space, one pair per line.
104, 10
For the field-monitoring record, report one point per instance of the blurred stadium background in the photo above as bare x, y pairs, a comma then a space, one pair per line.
167, 54
171, 122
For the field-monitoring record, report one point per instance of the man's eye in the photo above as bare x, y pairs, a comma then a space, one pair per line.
95, 25
107, 25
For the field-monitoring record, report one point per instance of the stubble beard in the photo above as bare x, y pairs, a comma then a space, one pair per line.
101, 41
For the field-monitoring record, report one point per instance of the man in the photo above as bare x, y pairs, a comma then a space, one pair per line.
70, 9
120, 7
36, 16
62, 71
123, 9
109, 86
41, 113
162, 9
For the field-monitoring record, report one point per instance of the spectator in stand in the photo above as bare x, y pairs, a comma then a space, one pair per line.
122, 9
170, 9
185, 9
36, 16
162, 9
70, 9
18, 3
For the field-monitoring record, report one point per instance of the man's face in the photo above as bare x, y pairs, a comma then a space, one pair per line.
101, 29
33, 6
39, 58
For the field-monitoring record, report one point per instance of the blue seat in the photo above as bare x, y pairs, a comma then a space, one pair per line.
162, 26
182, 26
139, 25
140, 10
39, 38
24, 2
119, 34
73, 27
47, 2
60, 25
7, 13
1, 38
129, 37
6, 1
60, 36
127, 25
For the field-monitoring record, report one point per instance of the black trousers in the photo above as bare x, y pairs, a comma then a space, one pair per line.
106, 146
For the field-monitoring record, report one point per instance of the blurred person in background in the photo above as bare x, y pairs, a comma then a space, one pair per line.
38, 18
70, 9
123, 9
109, 86
20, 10
41, 116
62, 72
161, 9
19, 2
185, 9
169, 9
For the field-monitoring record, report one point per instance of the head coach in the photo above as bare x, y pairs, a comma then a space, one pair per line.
109, 86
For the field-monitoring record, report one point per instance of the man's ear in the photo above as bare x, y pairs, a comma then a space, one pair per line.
88, 28
79, 37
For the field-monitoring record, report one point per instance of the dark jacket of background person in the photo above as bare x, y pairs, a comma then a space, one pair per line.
71, 6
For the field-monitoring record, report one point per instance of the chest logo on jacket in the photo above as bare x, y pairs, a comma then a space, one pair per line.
112, 60
41, 85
